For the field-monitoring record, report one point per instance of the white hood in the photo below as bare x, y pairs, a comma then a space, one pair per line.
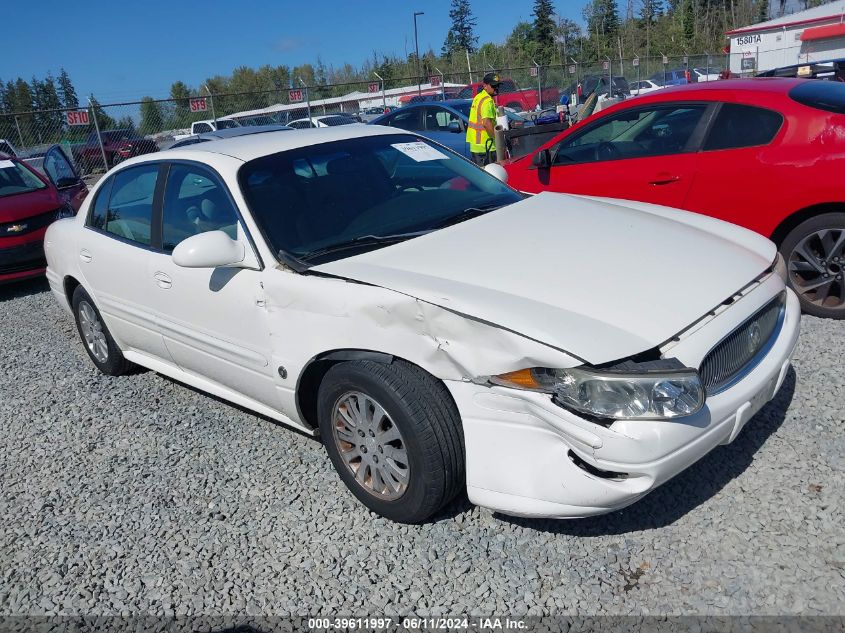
601, 279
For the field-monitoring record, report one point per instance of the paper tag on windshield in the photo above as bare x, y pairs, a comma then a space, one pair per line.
6, 164
419, 151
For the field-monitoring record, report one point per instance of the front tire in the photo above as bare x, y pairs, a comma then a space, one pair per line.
98, 342
394, 436
814, 253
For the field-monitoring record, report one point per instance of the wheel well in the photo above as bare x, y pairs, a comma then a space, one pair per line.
308, 385
70, 287
789, 223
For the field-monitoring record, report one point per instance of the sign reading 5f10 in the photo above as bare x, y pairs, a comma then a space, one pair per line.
198, 105
744, 40
77, 117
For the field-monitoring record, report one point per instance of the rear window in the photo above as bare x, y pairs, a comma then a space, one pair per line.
337, 120
822, 95
742, 126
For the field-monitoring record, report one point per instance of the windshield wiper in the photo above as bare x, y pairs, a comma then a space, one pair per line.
362, 240
466, 214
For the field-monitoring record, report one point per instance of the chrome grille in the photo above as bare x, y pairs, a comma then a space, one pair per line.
743, 348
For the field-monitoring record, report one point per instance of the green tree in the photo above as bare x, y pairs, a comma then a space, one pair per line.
602, 18
67, 93
543, 30
152, 116
104, 121
461, 35
688, 21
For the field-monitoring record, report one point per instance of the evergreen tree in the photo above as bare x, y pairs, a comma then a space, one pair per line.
762, 10
67, 93
543, 30
688, 21
181, 113
461, 35
152, 116
651, 10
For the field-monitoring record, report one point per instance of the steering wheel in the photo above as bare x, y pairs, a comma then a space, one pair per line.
606, 151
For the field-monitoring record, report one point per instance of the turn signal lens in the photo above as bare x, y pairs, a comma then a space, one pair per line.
522, 379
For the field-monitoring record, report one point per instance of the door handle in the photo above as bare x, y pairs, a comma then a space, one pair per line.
664, 178
163, 281
85, 255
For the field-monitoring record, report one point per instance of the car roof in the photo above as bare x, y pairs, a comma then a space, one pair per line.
240, 131
704, 90
250, 146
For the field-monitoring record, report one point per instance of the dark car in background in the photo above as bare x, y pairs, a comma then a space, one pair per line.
830, 70
29, 202
118, 145
674, 77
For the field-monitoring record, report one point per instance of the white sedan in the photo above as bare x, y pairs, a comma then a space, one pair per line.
556, 356
643, 87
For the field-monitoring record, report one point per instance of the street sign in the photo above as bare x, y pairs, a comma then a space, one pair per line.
434, 80
77, 117
635, 62
572, 70
372, 87
747, 63
198, 104
605, 65
295, 95
665, 60
534, 71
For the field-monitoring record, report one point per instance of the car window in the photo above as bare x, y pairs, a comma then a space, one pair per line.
199, 128
194, 202
407, 120
58, 168
739, 125
315, 197
5, 148
15, 179
224, 124
301, 125
507, 86
130, 206
822, 95
439, 119
632, 133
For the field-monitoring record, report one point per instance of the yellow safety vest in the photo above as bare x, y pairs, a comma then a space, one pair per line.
482, 108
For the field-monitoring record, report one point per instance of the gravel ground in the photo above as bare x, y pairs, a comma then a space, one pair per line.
139, 495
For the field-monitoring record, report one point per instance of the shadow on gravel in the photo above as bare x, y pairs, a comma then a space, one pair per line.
232, 405
18, 289
687, 490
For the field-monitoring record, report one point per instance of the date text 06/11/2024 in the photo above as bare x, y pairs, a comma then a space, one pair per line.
416, 624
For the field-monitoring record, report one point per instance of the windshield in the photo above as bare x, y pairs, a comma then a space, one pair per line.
226, 124
313, 198
15, 178
463, 108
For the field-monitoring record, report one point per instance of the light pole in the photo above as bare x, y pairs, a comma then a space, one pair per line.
417, 50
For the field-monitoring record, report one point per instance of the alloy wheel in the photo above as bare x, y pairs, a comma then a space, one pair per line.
371, 445
92, 331
816, 268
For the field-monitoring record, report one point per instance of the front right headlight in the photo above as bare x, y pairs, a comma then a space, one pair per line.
617, 395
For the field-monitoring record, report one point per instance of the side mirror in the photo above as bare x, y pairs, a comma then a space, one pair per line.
212, 249
496, 170
456, 127
542, 159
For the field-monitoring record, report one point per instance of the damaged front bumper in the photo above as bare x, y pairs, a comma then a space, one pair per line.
526, 456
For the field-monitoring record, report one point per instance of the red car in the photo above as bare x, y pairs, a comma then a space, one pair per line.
767, 154
29, 202
512, 96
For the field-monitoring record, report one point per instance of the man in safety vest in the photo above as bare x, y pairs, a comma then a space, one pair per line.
482, 121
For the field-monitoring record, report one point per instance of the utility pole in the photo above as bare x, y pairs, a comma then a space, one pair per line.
307, 100
213, 115
417, 50
383, 94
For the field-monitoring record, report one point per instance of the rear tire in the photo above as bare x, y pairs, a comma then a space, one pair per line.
394, 436
814, 252
98, 342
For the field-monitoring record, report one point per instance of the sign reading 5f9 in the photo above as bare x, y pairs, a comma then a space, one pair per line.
198, 105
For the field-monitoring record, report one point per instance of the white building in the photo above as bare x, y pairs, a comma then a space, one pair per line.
817, 34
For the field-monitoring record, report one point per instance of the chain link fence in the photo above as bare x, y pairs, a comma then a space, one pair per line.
99, 136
